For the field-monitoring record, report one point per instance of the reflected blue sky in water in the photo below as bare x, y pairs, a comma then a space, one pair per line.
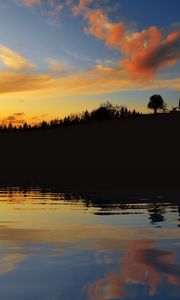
55, 246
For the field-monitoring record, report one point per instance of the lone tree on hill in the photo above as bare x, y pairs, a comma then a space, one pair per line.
156, 102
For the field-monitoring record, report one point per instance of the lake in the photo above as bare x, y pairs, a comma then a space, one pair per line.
61, 246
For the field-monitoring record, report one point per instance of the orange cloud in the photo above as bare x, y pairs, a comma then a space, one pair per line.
31, 2
144, 52
102, 28
148, 52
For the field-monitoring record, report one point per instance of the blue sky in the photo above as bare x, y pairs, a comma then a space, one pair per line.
62, 56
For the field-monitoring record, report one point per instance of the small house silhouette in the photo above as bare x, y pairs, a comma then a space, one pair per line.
177, 108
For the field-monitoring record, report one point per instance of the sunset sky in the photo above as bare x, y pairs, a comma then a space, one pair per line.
63, 56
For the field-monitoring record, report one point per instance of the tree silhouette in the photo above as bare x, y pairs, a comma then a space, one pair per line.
106, 111
86, 116
156, 102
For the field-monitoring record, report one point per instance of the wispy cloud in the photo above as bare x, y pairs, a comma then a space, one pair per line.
78, 56
19, 76
14, 61
51, 9
19, 114
11, 82
80, 7
56, 8
57, 67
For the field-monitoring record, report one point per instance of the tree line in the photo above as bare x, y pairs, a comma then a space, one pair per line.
106, 111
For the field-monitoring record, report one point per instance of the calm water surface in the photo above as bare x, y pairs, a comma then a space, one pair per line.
55, 246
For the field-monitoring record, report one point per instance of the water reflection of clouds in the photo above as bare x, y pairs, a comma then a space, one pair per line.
98, 237
141, 264
9, 262
133, 254
139, 260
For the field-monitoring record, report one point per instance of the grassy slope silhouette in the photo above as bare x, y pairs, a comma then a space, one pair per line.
130, 153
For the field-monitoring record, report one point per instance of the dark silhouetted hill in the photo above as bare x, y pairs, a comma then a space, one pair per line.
130, 153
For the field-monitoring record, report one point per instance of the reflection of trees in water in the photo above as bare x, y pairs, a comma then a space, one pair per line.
105, 204
179, 215
155, 210
156, 213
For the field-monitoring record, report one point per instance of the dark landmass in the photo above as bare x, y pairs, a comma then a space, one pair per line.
130, 154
